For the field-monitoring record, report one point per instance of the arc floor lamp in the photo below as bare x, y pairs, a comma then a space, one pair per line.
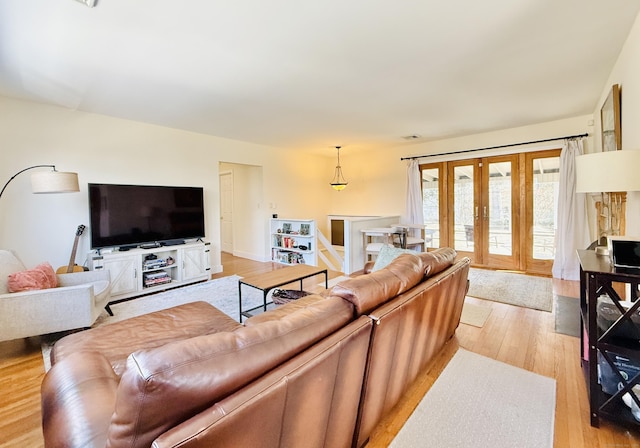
53, 181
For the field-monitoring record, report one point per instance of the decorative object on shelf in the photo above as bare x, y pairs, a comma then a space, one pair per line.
612, 174
292, 241
610, 121
49, 181
339, 182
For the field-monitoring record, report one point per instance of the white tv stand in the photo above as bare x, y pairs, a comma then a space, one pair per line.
173, 266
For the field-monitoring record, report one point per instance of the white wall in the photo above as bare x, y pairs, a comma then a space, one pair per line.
626, 73
104, 149
379, 184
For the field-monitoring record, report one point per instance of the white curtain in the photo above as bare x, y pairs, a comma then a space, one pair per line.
573, 230
413, 208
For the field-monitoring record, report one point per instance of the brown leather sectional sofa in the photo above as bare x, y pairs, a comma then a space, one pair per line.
318, 372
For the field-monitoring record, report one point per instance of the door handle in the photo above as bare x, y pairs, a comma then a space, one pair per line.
484, 212
476, 215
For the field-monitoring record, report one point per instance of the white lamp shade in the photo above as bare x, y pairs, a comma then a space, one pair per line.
608, 172
54, 182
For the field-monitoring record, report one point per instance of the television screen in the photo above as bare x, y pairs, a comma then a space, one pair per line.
129, 215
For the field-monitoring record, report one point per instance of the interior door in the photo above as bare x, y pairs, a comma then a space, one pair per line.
226, 212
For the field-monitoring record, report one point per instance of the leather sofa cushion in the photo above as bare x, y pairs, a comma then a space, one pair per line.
118, 340
438, 260
164, 386
284, 310
368, 291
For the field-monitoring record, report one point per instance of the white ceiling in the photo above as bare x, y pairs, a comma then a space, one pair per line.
308, 74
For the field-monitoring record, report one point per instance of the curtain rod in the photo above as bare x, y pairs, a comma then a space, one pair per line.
495, 147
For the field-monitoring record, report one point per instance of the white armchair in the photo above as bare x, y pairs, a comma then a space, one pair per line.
76, 303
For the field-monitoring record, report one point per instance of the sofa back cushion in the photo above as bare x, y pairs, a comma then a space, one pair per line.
164, 386
284, 310
9, 264
438, 260
368, 291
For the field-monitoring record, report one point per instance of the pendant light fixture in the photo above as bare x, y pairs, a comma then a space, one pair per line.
339, 182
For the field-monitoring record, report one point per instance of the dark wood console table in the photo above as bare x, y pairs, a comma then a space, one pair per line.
597, 276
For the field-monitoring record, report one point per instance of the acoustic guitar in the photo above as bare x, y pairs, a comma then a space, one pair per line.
72, 266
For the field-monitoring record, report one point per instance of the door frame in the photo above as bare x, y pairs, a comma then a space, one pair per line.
224, 246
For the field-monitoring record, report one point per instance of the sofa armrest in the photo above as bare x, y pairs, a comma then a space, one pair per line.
31, 313
65, 293
80, 278
78, 399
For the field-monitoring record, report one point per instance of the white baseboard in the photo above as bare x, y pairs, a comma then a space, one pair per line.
249, 256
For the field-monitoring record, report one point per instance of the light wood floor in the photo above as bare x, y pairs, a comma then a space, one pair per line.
521, 337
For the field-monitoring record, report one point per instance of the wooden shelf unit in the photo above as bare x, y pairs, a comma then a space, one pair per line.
134, 273
293, 241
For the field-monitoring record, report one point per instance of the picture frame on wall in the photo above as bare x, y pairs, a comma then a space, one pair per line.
610, 121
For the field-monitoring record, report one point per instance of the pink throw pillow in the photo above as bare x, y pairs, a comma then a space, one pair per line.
40, 277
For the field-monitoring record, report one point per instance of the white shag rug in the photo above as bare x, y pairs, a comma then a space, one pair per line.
478, 402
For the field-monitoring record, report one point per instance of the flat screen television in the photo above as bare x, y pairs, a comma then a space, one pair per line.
132, 215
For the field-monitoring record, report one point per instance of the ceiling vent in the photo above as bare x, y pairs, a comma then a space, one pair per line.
89, 3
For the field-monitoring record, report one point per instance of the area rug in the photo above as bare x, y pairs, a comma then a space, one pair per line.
567, 315
221, 293
475, 315
480, 402
508, 287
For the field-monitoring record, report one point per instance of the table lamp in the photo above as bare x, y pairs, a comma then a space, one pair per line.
609, 173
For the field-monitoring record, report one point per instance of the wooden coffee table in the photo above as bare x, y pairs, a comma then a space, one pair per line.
279, 277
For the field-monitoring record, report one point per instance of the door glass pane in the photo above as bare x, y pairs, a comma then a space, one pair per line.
431, 206
499, 212
546, 179
463, 207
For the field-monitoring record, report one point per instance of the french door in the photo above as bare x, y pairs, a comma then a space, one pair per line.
499, 211
483, 197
